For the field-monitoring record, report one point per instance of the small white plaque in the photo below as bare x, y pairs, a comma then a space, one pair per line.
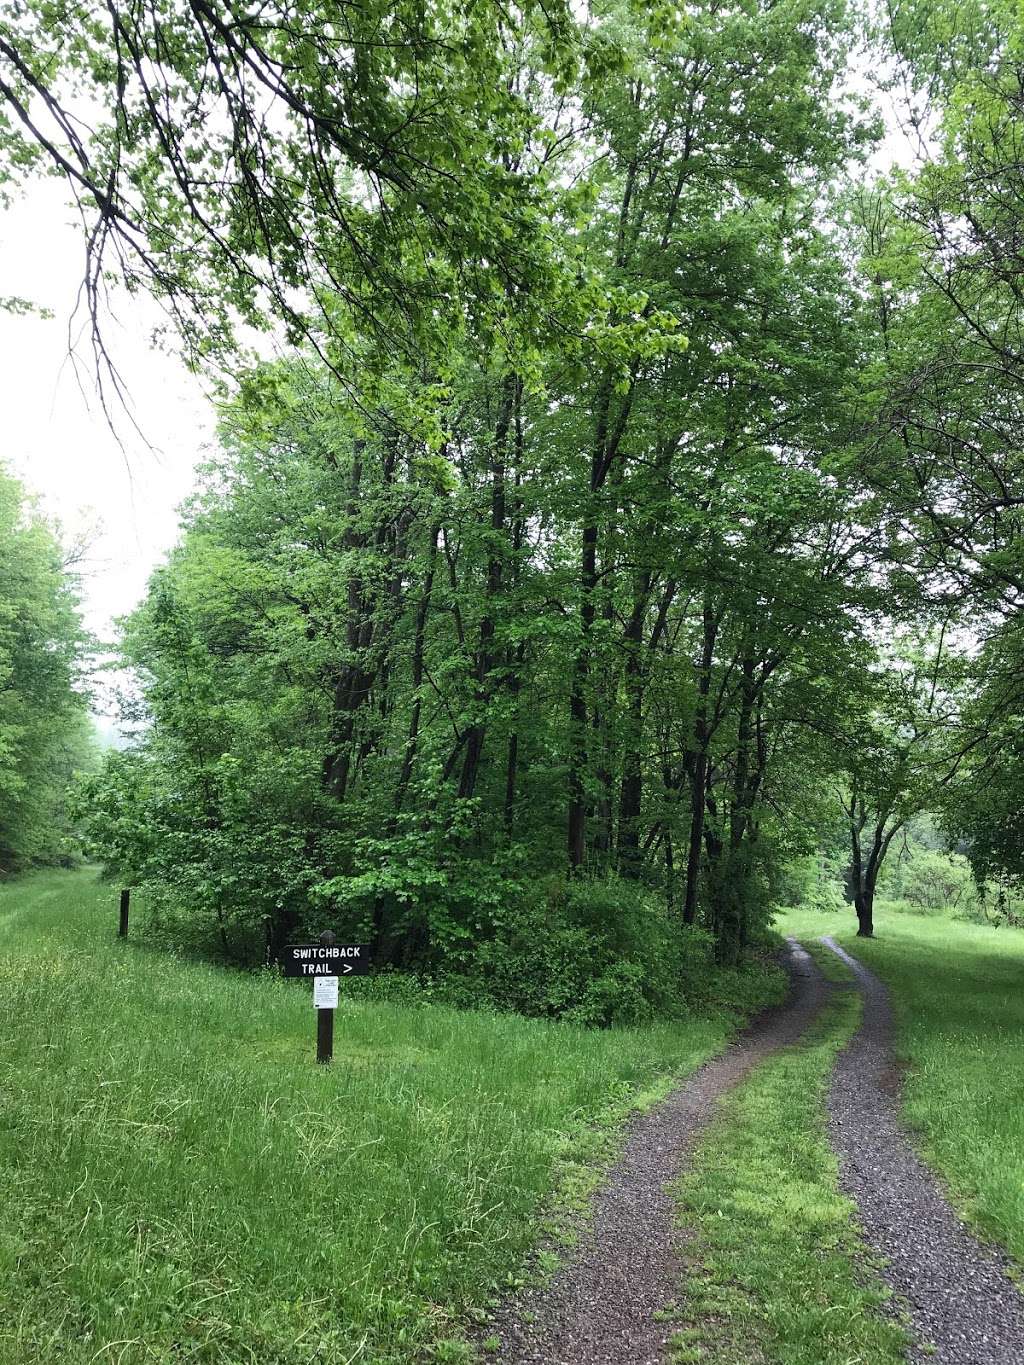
325, 993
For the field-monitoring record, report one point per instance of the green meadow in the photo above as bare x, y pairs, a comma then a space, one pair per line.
179, 1181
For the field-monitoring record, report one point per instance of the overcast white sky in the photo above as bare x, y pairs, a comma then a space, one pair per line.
56, 437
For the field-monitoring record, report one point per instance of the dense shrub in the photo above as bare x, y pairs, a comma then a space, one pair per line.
885, 905
996, 904
813, 882
601, 951
941, 881
478, 932
595, 952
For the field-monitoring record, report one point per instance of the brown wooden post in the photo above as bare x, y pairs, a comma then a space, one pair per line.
325, 1018
324, 1036
122, 931
268, 940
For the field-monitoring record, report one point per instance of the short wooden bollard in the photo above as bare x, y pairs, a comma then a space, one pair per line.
122, 929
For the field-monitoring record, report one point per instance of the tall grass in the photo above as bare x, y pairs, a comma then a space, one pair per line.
958, 991
180, 1182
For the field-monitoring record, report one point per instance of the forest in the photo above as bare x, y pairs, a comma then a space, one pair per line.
614, 529
46, 740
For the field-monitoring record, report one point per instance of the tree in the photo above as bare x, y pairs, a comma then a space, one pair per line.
584, 631
943, 260
906, 752
986, 811
350, 176
44, 730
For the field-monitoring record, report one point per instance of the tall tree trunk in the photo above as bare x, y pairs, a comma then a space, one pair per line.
383, 951
512, 751
419, 638
733, 889
634, 680
863, 892
631, 792
605, 691
865, 926
607, 441
351, 682
354, 680
515, 658
670, 873
739, 810
737, 887
864, 901
578, 761
604, 451
714, 849
475, 733
699, 762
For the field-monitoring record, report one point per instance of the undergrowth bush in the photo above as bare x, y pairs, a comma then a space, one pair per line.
604, 952
903, 906
598, 951
595, 952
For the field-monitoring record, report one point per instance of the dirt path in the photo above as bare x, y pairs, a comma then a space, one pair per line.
964, 1309
600, 1306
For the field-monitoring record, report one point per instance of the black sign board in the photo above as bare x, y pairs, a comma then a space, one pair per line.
318, 959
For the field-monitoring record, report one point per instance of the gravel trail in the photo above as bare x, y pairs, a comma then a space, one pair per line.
964, 1309
599, 1307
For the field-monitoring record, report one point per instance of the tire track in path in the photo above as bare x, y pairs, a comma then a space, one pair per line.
964, 1308
600, 1306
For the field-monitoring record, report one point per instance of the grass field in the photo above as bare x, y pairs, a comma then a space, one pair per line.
180, 1182
958, 989
776, 1272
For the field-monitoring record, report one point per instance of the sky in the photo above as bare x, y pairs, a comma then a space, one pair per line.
55, 435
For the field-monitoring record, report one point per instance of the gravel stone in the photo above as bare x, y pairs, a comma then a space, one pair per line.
964, 1308
599, 1306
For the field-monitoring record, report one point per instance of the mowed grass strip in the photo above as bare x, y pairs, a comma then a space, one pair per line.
776, 1273
180, 1182
958, 993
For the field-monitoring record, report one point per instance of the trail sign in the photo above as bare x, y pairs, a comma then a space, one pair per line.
325, 962
322, 959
